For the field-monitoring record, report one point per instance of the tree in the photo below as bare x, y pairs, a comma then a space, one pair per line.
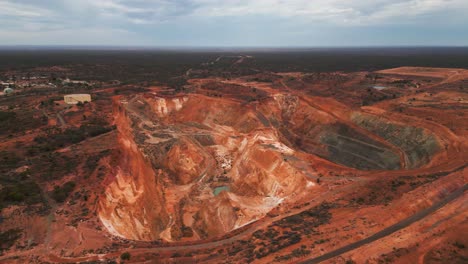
125, 256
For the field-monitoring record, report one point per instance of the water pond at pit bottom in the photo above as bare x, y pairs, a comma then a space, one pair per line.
219, 189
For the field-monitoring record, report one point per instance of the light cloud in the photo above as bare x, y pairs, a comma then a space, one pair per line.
334, 11
14, 9
169, 21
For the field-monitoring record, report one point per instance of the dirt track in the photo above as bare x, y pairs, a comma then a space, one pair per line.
391, 229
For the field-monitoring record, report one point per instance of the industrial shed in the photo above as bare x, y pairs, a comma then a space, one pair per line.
77, 98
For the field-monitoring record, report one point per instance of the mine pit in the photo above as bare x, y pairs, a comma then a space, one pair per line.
234, 166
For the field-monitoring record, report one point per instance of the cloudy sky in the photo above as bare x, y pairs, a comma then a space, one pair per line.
234, 22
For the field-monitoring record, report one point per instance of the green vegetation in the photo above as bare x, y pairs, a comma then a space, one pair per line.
19, 121
8, 238
26, 192
51, 101
307, 220
281, 234
459, 245
8, 161
68, 137
53, 165
187, 231
18, 189
176, 255
92, 162
397, 183
60, 194
7, 116
125, 256
161, 66
321, 241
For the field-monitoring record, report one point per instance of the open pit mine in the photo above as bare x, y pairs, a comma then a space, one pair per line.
197, 166
269, 168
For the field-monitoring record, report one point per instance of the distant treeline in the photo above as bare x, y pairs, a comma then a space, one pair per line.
162, 66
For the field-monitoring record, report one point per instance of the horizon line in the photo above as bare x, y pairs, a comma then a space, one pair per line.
208, 47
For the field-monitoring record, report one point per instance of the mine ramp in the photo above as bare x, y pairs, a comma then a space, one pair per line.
389, 230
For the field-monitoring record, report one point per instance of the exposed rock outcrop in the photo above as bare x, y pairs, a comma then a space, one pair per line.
194, 167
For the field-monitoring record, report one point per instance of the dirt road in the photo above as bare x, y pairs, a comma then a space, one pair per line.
389, 230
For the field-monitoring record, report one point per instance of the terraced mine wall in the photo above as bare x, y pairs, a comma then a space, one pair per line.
317, 132
418, 144
348, 147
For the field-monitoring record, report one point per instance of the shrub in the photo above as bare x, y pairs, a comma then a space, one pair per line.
125, 256
60, 194
8, 161
8, 238
7, 116
459, 245
20, 192
67, 137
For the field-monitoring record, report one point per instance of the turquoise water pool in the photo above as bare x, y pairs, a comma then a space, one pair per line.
219, 189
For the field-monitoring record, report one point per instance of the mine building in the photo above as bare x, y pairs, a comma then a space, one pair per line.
68, 81
8, 91
73, 99
7, 84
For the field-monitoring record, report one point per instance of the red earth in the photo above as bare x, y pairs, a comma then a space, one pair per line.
366, 167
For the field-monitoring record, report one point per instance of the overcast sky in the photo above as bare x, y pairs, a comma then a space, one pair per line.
234, 22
